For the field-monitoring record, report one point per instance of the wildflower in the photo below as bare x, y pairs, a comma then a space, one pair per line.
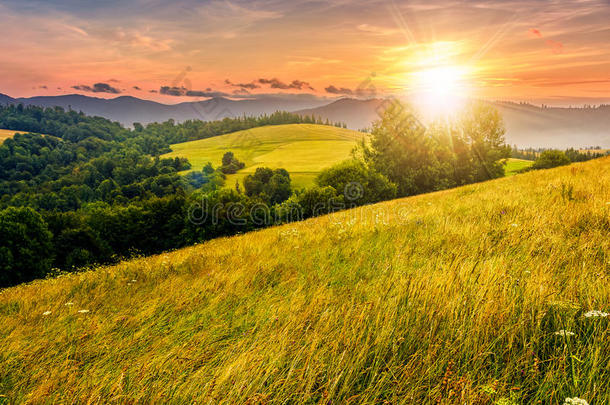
575, 401
563, 332
514, 225
45, 313
133, 281
83, 311
596, 314
68, 304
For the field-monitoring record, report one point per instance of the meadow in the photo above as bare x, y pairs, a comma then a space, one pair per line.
484, 294
302, 149
514, 166
7, 133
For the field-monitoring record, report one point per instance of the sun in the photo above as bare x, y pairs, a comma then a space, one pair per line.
440, 90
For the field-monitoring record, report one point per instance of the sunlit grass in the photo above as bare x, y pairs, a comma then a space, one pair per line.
7, 133
455, 297
302, 149
514, 166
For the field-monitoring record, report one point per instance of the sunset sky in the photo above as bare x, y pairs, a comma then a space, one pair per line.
541, 51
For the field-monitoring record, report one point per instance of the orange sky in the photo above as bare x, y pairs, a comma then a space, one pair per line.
542, 51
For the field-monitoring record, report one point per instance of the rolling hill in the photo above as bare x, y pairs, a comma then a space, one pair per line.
485, 294
357, 114
302, 149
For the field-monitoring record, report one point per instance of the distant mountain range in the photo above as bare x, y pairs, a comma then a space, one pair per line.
527, 125
128, 110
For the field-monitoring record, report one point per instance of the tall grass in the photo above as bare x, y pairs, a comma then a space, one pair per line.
452, 297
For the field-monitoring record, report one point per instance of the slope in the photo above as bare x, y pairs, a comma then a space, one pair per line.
302, 149
474, 295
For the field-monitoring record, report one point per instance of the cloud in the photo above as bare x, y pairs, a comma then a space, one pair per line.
241, 92
341, 90
556, 47
97, 88
136, 88
249, 86
43, 87
377, 30
535, 32
294, 85
184, 92
137, 40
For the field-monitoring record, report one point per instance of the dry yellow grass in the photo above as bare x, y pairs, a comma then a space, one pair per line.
7, 133
451, 297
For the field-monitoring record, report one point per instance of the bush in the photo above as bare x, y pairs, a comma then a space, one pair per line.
357, 183
317, 201
270, 186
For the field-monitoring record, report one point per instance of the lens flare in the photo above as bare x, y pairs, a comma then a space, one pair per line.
440, 90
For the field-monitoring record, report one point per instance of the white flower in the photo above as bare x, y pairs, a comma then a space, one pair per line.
133, 281
575, 401
45, 313
564, 333
83, 311
596, 314
514, 225
68, 304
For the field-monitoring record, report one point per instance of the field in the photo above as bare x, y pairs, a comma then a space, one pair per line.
513, 166
7, 133
476, 295
302, 149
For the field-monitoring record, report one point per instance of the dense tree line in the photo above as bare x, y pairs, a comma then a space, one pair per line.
574, 155
192, 130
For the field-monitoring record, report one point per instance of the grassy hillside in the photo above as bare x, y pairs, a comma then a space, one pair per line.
303, 149
477, 295
7, 133
513, 166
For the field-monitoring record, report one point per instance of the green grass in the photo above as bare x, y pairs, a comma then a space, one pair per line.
513, 166
452, 298
302, 149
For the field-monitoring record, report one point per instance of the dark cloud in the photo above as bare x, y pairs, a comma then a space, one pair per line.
97, 88
43, 87
341, 90
136, 88
114, 81
184, 92
248, 86
241, 92
278, 84
152, 91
